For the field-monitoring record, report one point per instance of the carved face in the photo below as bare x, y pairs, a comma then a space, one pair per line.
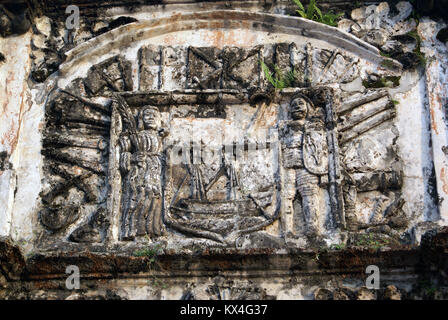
299, 109
150, 118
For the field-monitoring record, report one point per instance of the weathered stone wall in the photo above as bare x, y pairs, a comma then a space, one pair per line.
348, 159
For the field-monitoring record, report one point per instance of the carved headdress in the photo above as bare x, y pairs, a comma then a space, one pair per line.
302, 96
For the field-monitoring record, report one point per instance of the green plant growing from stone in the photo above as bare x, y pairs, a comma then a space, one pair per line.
384, 54
313, 12
427, 288
278, 78
417, 51
150, 252
368, 241
387, 63
384, 82
340, 246
414, 15
158, 284
21, 242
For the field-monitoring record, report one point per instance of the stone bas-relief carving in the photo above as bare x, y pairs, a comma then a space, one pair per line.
76, 152
196, 186
223, 214
362, 171
168, 67
217, 165
141, 168
328, 170
149, 144
305, 150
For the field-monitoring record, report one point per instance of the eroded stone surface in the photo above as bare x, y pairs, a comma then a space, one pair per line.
162, 135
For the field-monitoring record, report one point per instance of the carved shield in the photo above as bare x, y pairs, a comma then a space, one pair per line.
315, 148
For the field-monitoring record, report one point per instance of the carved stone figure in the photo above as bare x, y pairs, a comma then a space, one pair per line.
141, 168
338, 150
305, 150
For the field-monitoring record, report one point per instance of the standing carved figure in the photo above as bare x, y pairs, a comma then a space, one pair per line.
141, 162
305, 149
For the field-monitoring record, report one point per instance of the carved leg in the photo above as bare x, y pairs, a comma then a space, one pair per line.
158, 227
350, 196
135, 214
308, 186
128, 220
125, 207
129, 204
150, 219
154, 224
130, 201
154, 209
140, 222
290, 190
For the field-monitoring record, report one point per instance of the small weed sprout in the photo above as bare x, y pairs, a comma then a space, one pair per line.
367, 240
417, 51
278, 79
338, 246
314, 13
151, 252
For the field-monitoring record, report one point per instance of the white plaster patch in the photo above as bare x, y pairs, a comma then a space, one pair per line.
415, 151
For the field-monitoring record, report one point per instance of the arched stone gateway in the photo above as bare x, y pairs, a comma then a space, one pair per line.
228, 131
